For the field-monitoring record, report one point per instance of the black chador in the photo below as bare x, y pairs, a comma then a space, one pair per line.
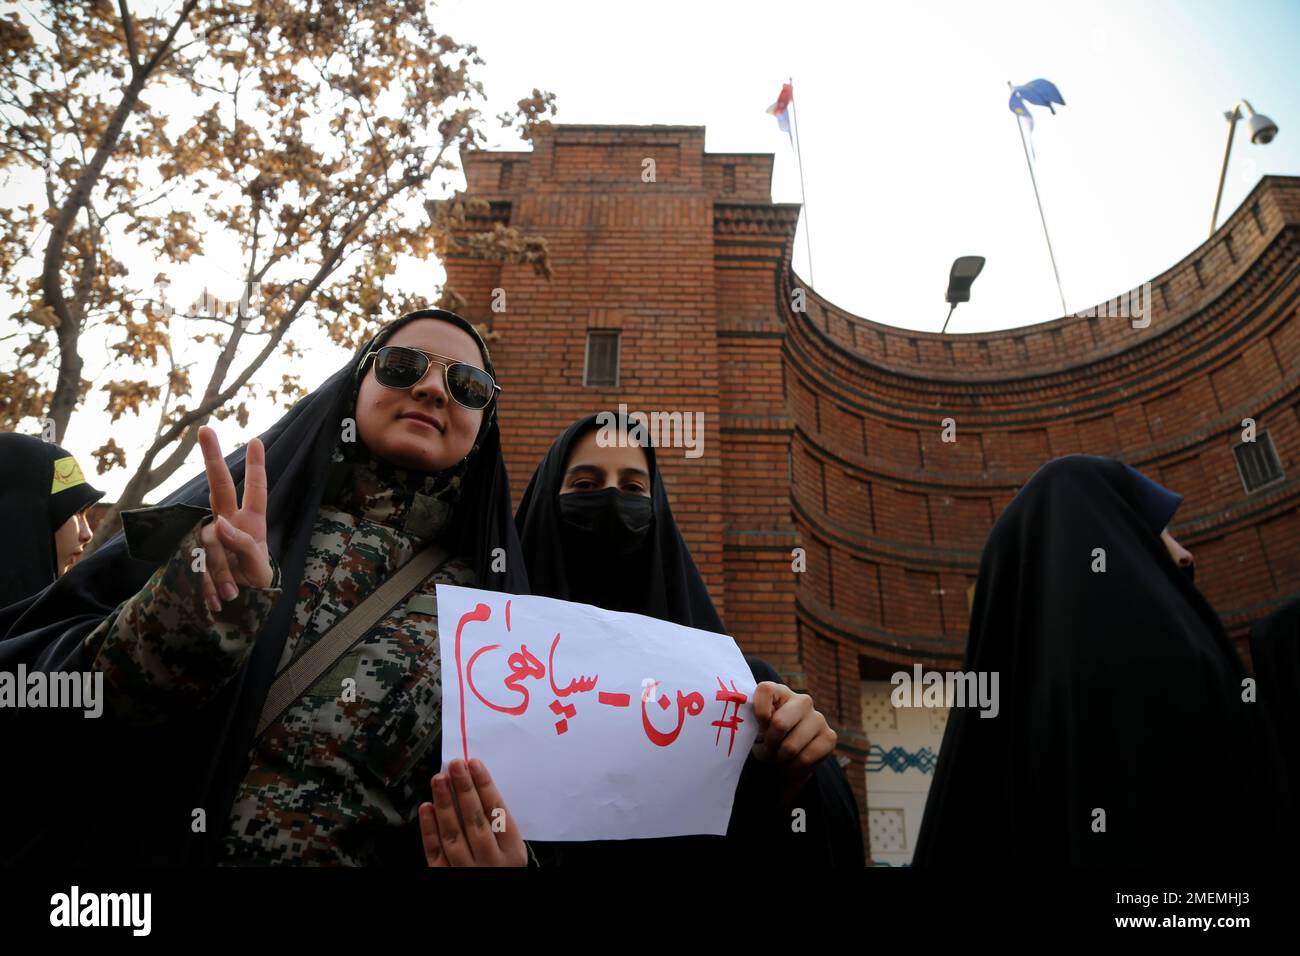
1275, 654
624, 552
1125, 734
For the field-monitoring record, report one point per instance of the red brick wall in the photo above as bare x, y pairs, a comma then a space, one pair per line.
823, 430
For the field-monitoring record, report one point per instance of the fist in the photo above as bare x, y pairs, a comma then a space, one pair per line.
792, 733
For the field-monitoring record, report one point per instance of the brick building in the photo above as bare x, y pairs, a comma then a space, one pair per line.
672, 290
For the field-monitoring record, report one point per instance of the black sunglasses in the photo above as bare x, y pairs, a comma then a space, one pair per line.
402, 367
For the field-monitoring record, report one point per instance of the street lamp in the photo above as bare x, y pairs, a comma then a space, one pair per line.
964, 271
1261, 129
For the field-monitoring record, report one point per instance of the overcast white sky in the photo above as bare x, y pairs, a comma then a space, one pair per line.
910, 154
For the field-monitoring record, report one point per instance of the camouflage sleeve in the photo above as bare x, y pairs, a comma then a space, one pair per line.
163, 651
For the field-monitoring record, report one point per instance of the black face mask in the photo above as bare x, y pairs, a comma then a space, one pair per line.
608, 520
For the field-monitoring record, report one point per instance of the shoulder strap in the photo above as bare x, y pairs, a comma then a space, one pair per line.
307, 668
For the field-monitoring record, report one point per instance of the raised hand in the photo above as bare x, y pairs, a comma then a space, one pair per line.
235, 544
467, 824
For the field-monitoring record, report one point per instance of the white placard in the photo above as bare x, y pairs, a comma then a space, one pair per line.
594, 724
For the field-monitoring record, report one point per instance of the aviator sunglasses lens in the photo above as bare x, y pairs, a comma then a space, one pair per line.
400, 367
470, 386
397, 367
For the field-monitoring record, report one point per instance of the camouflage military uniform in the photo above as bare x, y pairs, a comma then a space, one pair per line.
352, 757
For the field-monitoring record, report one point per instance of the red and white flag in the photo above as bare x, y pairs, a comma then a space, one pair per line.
780, 107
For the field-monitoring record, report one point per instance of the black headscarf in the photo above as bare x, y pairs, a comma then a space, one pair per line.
661, 580
41, 487
1119, 691
1275, 653
154, 778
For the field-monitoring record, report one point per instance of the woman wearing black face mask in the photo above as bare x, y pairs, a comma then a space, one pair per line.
596, 528
598, 525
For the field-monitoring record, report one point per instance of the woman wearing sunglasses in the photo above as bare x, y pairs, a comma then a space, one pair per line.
192, 613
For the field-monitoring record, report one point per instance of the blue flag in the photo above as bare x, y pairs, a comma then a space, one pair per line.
1038, 92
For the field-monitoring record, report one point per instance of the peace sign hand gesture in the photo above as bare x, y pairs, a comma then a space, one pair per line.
235, 544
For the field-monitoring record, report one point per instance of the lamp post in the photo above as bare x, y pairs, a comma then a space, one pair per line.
964, 271
1261, 129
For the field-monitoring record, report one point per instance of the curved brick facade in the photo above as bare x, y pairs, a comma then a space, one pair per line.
890, 504
823, 431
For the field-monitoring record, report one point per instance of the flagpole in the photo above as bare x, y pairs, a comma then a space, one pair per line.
1037, 199
807, 221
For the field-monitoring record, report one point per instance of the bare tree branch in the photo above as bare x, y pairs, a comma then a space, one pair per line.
128, 28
